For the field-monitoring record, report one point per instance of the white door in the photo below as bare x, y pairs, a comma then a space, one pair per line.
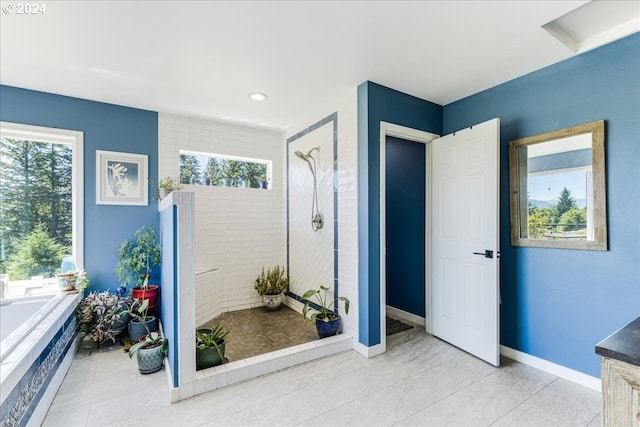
465, 230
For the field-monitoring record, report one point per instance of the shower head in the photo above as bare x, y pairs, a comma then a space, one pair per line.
303, 156
307, 156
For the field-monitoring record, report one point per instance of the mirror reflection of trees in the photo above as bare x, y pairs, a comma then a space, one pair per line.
557, 186
565, 218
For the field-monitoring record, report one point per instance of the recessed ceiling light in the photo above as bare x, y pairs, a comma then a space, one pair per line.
257, 96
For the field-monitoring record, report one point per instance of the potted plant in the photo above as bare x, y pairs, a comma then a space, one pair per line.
210, 346
167, 185
271, 285
103, 316
136, 258
141, 323
71, 281
150, 352
327, 320
80, 279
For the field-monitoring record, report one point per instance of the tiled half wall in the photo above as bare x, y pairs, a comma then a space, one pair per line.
237, 230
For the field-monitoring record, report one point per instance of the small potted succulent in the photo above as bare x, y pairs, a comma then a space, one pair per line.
150, 352
73, 281
167, 185
210, 346
136, 259
327, 320
272, 285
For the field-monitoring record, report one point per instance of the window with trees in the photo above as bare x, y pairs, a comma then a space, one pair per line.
226, 171
40, 203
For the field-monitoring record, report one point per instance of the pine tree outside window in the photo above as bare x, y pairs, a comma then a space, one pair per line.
40, 206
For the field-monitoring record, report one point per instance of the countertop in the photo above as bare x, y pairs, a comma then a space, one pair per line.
623, 345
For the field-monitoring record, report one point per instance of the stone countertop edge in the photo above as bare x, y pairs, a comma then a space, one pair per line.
623, 345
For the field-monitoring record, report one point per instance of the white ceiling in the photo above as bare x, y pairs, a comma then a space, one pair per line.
202, 58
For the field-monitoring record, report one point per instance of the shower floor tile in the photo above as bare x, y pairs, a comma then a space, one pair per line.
257, 331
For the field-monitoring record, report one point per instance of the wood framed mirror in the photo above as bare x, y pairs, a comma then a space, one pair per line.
557, 189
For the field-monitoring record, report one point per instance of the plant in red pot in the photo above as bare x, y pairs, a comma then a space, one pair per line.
136, 259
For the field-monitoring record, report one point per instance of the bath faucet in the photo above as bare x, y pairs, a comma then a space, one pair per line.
4, 289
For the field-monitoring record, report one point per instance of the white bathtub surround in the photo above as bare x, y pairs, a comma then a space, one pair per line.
19, 319
33, 370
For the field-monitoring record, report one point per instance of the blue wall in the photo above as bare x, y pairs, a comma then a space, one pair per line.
405, 206
105, 127
169, 286
557, 304
377, 103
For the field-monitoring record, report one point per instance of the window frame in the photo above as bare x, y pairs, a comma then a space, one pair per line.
76, 140
518, 188
267, 163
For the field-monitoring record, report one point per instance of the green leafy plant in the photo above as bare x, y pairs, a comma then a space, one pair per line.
99, 314
151, 340
80, 279
137, 257
170, 183
215, 338
139, 309
327, 305
273, 282
70, 280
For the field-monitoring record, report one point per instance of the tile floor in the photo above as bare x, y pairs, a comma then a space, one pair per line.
420, 381
248, 328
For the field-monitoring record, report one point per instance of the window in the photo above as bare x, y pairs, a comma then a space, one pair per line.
212, 169
40, 205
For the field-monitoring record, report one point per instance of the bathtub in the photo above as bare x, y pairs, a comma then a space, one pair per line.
38, 343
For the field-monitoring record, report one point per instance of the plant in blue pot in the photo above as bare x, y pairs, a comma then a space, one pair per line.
150, 352
141, 324
326, 318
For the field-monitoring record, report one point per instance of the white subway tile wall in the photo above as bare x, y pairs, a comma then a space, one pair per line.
209, 293
311, 253
346, 108
238, 230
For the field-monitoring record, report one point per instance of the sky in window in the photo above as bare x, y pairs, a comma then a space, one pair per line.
548, 187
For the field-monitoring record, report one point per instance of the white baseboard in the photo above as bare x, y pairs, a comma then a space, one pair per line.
369, 352
405, 315
552, 368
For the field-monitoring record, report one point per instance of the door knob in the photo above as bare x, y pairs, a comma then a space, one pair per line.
487, 253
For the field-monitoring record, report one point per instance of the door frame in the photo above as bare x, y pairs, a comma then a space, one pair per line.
409, 134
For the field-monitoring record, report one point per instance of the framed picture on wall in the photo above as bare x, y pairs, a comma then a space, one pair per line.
121, 178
